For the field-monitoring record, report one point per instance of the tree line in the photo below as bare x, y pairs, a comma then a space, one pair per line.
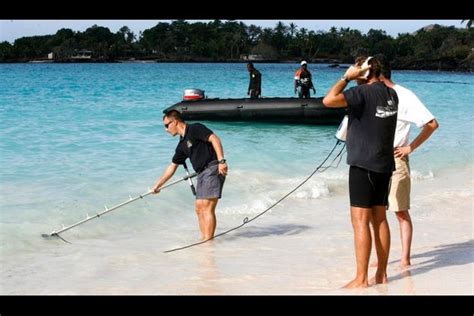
434, 47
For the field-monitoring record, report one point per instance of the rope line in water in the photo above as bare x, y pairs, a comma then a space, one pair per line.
247, 220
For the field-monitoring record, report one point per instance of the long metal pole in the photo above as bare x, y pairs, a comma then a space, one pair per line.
193, 189
88, 218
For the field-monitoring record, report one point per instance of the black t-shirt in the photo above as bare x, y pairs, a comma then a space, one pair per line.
371, 128
255, 80
195, 146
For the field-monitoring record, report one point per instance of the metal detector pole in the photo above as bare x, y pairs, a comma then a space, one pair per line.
189, 179
88, 218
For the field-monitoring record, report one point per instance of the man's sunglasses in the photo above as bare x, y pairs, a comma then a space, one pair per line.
167, 124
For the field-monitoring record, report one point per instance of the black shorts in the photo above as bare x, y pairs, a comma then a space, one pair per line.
368, 188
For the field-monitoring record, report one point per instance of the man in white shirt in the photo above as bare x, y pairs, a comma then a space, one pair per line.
410, 110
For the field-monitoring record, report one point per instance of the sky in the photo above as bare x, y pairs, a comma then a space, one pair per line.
13, 29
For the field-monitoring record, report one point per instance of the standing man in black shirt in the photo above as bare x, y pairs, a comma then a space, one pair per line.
255, 84
372, 108
204, 150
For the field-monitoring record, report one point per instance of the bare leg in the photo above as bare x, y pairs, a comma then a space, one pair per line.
406, 233
207, 217
382, 242
374, 262
199, 206
362, 240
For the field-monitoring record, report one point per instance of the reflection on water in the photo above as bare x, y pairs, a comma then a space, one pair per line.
209, 273
408, 284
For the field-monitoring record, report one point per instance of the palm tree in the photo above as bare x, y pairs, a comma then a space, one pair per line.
126, 35
254, 33
293, 29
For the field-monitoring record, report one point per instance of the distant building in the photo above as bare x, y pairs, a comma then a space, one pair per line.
82, 54
251, 57
51, 56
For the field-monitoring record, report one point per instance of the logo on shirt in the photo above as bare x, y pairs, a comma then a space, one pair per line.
189, 144
386, 111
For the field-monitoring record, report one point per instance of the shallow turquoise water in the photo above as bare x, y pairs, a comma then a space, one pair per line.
77, 136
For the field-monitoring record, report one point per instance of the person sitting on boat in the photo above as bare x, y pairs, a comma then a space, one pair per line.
255, 84
303, 81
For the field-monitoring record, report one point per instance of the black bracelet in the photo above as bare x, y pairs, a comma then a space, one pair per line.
345, 79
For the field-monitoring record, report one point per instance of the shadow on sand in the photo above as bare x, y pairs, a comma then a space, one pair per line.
274, 230
443, 256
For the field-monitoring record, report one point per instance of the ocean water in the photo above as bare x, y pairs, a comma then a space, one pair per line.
77, 137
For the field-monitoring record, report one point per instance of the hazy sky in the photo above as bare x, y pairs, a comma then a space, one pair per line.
13, 29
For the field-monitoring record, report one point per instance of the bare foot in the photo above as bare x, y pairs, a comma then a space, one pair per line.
380, 278
356, 284
406, 273
405, 264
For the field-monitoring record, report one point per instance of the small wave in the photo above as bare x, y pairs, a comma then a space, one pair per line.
246, 209
442, 81
417, 175
313, 192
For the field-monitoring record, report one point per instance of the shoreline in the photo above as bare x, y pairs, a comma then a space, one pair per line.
331, 64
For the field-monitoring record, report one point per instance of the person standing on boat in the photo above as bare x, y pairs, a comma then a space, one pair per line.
372, 108
255, 84
204, 149
304, 81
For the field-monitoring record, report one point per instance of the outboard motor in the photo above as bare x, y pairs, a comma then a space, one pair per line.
193, 94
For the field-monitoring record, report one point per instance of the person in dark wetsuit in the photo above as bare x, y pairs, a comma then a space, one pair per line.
255, 84
304, 81
372, 109
204, 150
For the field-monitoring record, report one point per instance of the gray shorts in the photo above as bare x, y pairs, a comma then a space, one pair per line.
210, 182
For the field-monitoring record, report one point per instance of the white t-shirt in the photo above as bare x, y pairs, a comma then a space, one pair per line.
410, 110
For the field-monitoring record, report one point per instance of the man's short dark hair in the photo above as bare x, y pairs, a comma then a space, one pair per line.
174, 114
250, 64
375, 67
386, 69
374, 63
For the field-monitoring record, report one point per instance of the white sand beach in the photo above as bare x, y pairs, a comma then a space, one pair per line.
303, 247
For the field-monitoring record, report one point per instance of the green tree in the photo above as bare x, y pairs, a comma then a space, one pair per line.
6, 51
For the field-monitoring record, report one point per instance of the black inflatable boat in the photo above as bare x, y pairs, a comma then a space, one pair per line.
285, 110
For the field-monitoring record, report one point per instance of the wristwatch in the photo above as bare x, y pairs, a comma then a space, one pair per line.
345, 79
222, 161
